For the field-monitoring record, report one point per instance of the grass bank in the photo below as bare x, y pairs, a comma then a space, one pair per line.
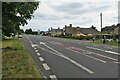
113, 43
16, 62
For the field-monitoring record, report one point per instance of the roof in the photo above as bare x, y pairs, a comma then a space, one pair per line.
89, 31
56, 30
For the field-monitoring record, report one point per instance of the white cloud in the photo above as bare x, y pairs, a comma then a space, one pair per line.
83, 13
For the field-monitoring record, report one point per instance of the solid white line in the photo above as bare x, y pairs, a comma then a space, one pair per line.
41, 59
52, 49
72, 61
29, 40
53, 77
46, 67
112, 52
104, 50
38, 54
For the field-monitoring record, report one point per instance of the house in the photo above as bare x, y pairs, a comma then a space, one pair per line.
71, 31
56, 32
109, 29
77, 31
111, 32
89, 31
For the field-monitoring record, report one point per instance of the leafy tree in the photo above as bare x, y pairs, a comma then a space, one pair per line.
29, 31
15, 14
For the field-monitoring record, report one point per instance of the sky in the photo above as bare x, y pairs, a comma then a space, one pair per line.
82, 13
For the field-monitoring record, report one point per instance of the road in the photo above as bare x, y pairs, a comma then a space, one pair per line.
67, 58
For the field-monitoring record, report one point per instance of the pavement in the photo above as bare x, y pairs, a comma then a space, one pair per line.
66, 58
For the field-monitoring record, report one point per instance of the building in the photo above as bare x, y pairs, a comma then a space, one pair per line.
109, 29
56, 32
77, 31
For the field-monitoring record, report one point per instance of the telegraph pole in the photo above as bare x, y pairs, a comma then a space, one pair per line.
101, 24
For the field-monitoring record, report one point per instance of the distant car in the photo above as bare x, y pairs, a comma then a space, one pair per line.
20, 36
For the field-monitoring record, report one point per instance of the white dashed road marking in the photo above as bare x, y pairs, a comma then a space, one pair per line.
36, 50
46, 67
41, 59
38, 54
53, 77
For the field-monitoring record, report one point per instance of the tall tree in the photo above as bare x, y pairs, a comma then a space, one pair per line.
15, 14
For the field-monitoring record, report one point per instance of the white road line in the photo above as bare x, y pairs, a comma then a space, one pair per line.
72, 61
46, 67
88, 56
116, 62
107, 57
36, 50
96, 45
95, 48
44, 77
41, 59
108, 47
29, 40
112, 52
53, 77
38, 54
50, 48
115, 53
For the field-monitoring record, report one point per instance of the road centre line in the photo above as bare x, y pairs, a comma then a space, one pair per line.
88, 56
106, 57
46, 67
41, 59
72, 61
115, 53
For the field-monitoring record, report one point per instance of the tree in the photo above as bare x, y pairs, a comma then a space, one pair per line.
29, 31
15, 14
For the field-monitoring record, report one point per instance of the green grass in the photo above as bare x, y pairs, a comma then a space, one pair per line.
17, 63
113, 43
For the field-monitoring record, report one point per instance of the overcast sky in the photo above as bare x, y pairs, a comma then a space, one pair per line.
82, 13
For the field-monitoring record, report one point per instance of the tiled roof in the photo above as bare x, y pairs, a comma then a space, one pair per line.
89, 31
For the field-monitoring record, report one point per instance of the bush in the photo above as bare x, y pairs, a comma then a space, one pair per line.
82, 37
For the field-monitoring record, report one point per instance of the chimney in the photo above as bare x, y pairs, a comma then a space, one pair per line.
65, 26
70, 25
58, 27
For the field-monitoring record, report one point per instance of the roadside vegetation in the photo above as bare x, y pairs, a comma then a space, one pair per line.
17, 63
113, 43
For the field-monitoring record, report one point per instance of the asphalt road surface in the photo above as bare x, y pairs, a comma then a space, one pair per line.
67, 58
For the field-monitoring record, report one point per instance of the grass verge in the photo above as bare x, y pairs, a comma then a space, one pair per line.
16, 62
113, 43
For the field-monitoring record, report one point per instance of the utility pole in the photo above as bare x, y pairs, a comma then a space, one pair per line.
101, 24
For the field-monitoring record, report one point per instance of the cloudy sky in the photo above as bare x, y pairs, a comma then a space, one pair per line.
82, 13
